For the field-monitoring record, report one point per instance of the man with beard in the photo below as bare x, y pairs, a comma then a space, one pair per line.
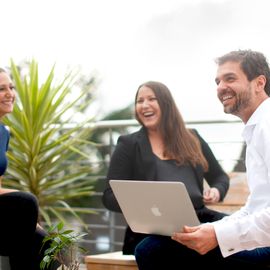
243, 238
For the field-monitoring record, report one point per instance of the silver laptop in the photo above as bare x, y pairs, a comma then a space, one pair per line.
155, 207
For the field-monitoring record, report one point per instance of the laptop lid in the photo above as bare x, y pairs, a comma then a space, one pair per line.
154, 207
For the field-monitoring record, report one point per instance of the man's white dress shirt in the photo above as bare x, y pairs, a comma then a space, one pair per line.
249, 227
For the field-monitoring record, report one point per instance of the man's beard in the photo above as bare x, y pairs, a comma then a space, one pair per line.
242, 102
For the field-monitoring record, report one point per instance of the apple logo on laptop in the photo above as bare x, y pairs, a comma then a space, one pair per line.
155, 210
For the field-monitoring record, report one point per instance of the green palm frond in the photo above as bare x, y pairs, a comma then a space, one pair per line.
48, 154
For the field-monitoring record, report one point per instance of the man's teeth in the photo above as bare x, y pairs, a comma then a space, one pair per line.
226, 97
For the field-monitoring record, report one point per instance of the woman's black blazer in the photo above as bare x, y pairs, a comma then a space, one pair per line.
133, 159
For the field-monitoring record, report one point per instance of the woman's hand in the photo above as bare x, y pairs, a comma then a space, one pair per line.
5, 190
211, 195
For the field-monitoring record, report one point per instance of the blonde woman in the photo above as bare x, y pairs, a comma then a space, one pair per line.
20, 237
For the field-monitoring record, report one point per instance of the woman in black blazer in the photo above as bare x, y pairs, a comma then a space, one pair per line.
165, 150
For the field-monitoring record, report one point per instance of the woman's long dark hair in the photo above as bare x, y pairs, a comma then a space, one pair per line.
181, 144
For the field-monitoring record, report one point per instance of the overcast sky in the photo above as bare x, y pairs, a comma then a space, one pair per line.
127, 42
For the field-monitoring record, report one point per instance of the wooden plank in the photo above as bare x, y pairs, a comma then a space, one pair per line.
111, 261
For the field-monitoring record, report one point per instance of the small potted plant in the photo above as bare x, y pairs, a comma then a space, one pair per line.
63, 247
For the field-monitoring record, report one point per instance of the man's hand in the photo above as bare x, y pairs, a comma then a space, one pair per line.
200, 238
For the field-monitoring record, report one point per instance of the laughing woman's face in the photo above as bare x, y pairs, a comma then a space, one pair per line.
147, 108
